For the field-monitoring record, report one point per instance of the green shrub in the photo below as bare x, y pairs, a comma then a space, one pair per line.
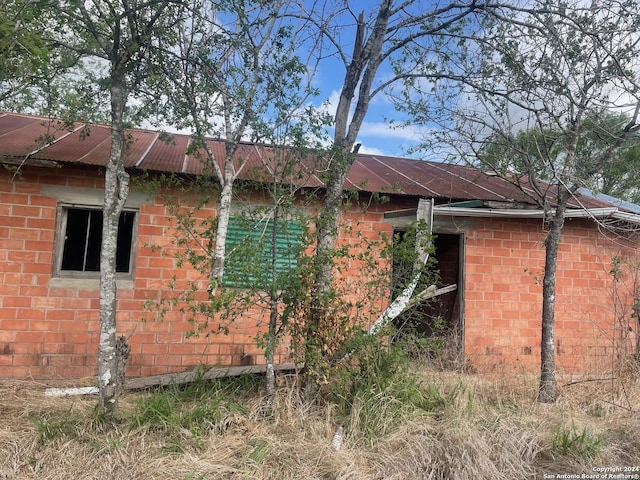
51, 427
571, 442
200, 406
375, 389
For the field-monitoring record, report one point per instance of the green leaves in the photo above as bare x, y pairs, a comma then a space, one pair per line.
606, 161
24, 47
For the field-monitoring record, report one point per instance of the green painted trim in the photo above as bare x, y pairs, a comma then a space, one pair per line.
464, 204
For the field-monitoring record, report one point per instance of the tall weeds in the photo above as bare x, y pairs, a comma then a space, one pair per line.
402, 420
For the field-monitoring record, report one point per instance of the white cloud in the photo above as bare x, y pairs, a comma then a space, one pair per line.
371, 133
383, 129
372, 151
330, 106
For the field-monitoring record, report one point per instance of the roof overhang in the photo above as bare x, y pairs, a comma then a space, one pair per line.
32, 162
469, 212
599, 213
520, 213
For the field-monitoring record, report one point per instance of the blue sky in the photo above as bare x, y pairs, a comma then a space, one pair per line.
376, 135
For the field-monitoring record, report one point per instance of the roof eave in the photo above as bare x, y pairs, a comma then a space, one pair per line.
518, 213
31, 162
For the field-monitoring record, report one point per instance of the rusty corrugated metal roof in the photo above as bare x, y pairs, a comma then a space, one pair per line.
149, 150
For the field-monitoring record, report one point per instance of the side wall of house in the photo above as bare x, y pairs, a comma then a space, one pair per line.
503, 292
49, 327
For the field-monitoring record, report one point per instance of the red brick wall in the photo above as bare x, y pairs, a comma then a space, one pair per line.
504, 270
52, 332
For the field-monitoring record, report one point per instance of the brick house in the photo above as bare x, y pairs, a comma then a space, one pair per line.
489, 242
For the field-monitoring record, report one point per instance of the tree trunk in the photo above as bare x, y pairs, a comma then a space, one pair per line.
115, 194
359, 76
273, 301
547, 393
271, 348
224, 213
341, 161
317, 323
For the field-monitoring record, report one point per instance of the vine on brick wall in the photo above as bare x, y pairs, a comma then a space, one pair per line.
255, 290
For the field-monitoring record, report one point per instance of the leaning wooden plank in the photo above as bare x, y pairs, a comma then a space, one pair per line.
66, 392
190, 376
431, 292
400, 304
139, 383
403, 303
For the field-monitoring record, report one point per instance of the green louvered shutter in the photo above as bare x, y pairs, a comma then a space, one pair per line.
249, 251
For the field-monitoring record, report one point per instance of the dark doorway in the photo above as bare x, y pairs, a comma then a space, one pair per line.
440, 317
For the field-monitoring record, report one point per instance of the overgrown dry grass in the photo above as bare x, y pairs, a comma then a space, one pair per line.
480, 428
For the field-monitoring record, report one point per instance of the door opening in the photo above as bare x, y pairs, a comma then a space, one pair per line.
438, 321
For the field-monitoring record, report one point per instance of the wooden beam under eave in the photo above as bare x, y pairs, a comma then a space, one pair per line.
423, 241
406, 212
30, 162
401, 219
